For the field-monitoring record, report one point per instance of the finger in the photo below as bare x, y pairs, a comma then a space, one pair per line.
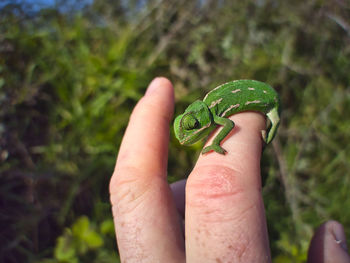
225, 218
145, 216
329, 244
178, 190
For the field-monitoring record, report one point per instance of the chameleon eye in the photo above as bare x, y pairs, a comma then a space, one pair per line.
189, 122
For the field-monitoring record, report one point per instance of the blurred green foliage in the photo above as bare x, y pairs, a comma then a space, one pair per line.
69, 81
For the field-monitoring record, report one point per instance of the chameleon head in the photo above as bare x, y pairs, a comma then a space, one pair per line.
193, 124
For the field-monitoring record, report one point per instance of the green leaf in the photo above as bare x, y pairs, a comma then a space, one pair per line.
107, 227
86, 235
81, 227
93, 239
65, 250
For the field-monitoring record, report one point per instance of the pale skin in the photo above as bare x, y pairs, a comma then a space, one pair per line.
224, 212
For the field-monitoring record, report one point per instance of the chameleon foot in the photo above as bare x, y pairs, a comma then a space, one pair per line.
214, 147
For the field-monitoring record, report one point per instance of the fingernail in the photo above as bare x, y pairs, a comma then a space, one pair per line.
339, 236
152, 87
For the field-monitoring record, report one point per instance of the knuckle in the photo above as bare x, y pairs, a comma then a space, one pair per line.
213, 189
127, 187
214, 183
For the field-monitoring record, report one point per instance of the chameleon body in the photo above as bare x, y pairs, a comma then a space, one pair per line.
202, 117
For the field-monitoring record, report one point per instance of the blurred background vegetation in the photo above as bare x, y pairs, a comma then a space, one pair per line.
71, 73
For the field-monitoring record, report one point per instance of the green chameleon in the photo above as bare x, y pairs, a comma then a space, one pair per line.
202, 117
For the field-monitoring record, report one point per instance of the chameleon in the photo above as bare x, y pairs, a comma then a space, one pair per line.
202, 117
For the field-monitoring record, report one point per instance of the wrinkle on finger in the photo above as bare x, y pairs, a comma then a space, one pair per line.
127, 191
218, 194
213, 183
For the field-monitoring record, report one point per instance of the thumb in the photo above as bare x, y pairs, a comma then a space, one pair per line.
329, 244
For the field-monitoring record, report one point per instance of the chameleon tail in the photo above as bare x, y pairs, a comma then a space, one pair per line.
274, 118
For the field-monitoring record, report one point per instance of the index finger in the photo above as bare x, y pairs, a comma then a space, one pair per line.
225, 218
145, 216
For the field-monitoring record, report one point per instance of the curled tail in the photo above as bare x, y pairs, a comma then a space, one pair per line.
274, 118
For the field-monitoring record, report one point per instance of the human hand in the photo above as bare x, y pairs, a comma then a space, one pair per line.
224, 211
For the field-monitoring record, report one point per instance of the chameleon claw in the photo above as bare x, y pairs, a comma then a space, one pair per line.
215, 148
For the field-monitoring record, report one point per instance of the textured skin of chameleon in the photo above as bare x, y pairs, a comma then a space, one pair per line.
202, 117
